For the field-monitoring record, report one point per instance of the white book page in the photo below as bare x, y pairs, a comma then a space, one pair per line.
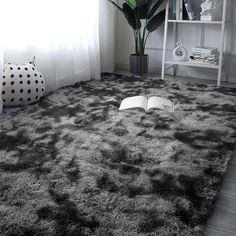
133, 102
161, 103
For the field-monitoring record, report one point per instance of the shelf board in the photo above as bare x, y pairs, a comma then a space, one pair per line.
196, 22
193, 64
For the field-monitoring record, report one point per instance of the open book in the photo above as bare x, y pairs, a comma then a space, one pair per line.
147, 104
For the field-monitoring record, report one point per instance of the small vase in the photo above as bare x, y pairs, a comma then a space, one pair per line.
138, 64
180, 53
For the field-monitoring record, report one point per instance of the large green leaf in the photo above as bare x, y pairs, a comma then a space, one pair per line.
142, 11
131, 3
155, 8
130, 16
140, 3
156, 21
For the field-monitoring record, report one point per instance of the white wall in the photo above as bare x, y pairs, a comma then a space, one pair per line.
190, 34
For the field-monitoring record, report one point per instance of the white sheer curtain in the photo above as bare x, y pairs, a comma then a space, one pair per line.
1, 70
107, 31
65, 36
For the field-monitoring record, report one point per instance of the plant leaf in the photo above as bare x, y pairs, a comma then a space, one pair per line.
140, 3
131, 3
155, 8
156, 21
130, 16
142, 11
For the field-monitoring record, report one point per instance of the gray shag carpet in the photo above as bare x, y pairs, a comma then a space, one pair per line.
72, 164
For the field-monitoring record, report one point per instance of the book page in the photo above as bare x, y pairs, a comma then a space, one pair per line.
160, 103
134, 102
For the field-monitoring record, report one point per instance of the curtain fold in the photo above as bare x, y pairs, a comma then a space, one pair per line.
107, 33
1, 74
72, 40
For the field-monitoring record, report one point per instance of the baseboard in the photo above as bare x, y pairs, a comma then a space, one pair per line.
193, 72
184, 71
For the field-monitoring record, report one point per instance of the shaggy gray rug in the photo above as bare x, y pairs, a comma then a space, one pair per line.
72, 164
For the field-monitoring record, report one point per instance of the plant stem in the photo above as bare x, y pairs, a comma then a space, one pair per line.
139, 41
143, 39
146, 39
135, 39
138, 34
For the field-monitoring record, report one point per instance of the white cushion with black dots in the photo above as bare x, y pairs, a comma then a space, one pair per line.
21, 84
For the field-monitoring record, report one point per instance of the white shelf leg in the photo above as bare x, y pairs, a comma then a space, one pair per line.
222, 43
164, 43
175, 37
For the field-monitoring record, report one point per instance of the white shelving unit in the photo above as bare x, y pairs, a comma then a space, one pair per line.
173, 63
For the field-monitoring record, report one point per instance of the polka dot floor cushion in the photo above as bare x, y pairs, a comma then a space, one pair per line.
21, 84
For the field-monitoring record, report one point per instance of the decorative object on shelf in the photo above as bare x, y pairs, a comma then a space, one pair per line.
21, 84
208, 12
180, 53
144, 17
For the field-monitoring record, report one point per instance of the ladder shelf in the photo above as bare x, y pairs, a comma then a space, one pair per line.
175, 63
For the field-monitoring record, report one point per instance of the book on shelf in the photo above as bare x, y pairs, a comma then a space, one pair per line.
174, 10
205, 50
147, 103
189, 9
203, 61
206, 55
182, 10
185, 14
177, 9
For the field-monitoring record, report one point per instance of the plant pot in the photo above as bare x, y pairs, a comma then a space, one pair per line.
138, 64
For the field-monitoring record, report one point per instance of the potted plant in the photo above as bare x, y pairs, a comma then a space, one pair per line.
144, 16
